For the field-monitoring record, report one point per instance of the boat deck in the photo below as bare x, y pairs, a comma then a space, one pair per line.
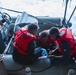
36, 68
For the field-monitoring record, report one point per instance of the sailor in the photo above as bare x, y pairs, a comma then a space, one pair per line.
66, 43
25, 51
45, 40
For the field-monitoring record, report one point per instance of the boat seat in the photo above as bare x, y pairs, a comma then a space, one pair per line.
10, 65
2, 45
18, 26
4, 36
7, 32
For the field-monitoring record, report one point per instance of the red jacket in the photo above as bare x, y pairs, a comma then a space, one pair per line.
21, 41
66, 34
50, 39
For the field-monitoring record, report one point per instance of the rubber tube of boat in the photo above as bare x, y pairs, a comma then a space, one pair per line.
71, 72
28, 71
2, 66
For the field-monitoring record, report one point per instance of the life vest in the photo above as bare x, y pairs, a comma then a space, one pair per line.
21, 41
50, 39
66, 34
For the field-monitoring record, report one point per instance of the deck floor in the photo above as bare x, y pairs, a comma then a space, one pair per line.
55, 70
37, 66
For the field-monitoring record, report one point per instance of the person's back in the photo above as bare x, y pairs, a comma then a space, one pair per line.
24, 45
66, 35
65, 42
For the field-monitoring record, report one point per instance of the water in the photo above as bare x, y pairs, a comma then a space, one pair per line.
52, 8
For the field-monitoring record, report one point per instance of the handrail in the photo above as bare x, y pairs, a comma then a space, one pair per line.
6, 49
64, 19
10, 10
71, 15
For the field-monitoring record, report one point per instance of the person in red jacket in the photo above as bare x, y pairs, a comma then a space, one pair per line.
45, 41
25, 51
66, 43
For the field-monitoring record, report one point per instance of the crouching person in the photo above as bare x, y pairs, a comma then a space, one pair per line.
25, 51
66, 44
46, 41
